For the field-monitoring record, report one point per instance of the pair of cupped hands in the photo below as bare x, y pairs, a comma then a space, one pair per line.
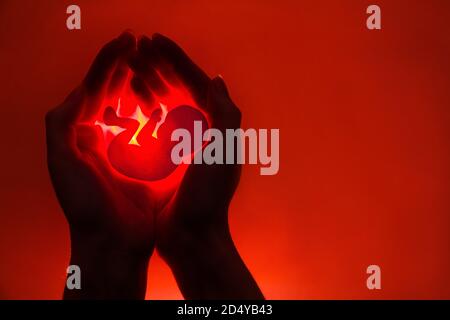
115, 224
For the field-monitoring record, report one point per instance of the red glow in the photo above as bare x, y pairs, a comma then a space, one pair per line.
137, 135
365, 153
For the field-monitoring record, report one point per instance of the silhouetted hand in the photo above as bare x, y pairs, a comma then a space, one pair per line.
114, 222
192, 230
111, 220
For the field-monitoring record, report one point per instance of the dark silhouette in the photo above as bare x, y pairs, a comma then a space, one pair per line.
115, 223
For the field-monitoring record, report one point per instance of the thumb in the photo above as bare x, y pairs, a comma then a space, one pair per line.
218, 88
224, 113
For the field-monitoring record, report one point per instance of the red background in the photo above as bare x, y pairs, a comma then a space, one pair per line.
364, 124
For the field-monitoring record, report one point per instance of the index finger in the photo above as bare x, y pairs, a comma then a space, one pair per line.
99, 74
195, 79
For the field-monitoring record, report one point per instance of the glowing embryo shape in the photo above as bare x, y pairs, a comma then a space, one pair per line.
139, 146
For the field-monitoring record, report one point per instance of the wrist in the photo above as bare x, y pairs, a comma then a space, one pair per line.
208, 266
195, 244
205, 249
107, 271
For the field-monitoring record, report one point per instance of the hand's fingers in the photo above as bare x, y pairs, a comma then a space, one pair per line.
145, 47
105, 61
190, 74
141, 90
118, 78
142, 67
122, 70
98, 76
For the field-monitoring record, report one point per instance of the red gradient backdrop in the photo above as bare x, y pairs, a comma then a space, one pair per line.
365, 144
